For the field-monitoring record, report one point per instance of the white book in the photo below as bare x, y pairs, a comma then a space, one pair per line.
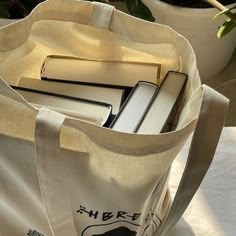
148, 108
99, 72
113, 96
93, 112
135, 107
163, 104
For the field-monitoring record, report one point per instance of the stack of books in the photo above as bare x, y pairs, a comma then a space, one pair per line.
109, 94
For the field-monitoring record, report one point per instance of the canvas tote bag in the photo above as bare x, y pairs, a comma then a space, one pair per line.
64, 177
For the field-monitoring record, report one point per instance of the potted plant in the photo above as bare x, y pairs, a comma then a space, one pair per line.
11, 10
193, 19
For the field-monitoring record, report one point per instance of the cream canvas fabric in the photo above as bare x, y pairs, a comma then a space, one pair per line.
61, 176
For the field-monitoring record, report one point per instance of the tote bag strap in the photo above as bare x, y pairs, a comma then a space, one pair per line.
50, 172
204, 142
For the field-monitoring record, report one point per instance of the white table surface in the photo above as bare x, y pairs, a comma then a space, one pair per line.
212, 212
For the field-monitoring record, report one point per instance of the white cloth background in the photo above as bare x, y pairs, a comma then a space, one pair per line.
212, 211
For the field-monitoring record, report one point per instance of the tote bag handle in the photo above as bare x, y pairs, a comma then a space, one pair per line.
202, 149
48, 125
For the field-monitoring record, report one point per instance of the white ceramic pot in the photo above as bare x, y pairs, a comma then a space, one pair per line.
198, 27
4, 21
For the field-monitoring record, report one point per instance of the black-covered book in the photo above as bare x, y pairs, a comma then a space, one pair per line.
98, 72
110, 95
136, 105
148, 109
91, 111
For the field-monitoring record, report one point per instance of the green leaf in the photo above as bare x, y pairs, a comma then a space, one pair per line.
226, 12
227, 27
221, 13
138, 9
4, 7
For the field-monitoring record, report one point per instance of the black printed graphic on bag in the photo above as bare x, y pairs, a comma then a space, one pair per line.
33, 233
118, 223
113, 223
